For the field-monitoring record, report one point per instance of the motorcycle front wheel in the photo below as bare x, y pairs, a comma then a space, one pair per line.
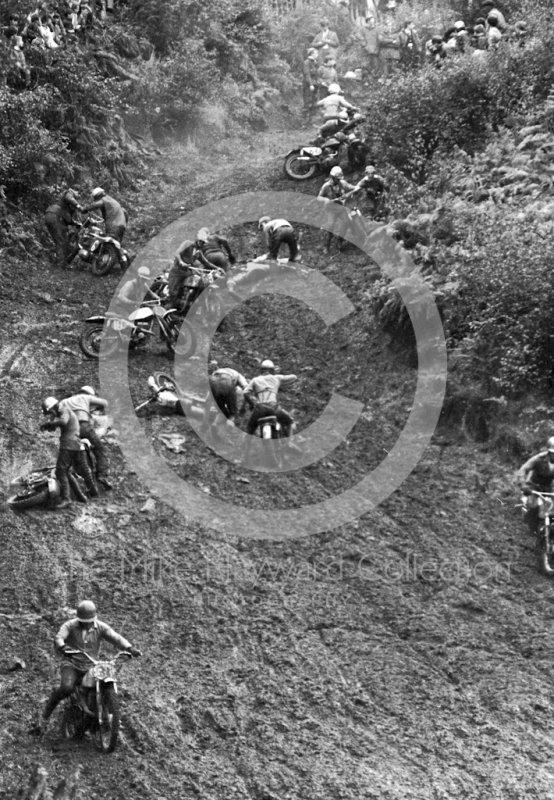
181, 339
93, 338
106, 260
36, 496
105, 732
299, 170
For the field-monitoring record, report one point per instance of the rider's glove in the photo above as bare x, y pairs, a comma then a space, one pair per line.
134, 652
232, 259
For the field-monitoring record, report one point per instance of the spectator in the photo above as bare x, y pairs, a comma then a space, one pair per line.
47, 32
327, 75
309, 81
450, 42
370, 40
57, 219
520, 33
434, 51
488, 8
389, 49
19, 59
32, 33
462, 36
479, 38
326, 41
410, 46
12, 28
494, 34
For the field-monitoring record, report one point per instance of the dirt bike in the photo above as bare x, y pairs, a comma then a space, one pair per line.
94, 247
270, 429
306, 161
41, 487
107, 332
541, 510
203, 279
94, 704
166, 395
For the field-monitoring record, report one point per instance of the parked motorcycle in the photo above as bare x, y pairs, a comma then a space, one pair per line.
108, 331
41, 487
102, 252
320, 156
94, 703
540, 507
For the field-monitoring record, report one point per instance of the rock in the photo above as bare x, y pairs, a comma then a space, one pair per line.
150, 505
16, 663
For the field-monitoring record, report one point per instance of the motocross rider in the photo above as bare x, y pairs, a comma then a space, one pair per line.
85, 632
331, 193
135, 291
223, 386
335, 111
82, 404
115, 218
537, 474
261, 395
71, 452
278, 232
186, 256
374, 186
216, 249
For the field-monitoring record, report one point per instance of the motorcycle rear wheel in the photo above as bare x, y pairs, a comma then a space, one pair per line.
105, 261
74, 722
93, 339
37, 496
182, 338
163, 379
105, 732
298, 170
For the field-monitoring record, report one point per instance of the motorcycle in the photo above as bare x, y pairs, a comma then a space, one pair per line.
195, 284
165, 394
107, 332
94, 704
269, 428
541, 510
320, 156
41, 487
94, 247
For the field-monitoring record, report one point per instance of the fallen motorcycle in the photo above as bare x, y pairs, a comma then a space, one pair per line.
308, 160
94, 247
107, 333
539, 509
165, 394
41, 487
94, 703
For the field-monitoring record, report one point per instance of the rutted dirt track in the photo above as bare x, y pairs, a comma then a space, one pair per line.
407, 655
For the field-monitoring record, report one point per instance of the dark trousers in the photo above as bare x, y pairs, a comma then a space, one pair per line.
59, 232
75, 459
116, 232
225, 395
69, 677
175, 281
284, 236
219, 259
309, 97
262, 410
86, 431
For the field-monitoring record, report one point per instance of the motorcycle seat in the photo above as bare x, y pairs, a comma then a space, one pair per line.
264, 420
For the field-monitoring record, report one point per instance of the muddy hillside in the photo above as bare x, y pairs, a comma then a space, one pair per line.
406, 655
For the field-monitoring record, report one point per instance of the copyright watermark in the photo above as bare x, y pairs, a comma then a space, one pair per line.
323, 297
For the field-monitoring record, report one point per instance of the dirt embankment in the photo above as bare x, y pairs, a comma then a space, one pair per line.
406, 655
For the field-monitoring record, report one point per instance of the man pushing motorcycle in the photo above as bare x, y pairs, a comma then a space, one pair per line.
82, 404
85, 633
332, 193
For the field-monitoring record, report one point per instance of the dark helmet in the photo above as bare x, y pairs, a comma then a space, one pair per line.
86, 611
436, 39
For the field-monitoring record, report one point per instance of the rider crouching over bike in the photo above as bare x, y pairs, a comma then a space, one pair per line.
537, 474
136, 291
86, 633
216, 249
186, 256
373, 187
261, 395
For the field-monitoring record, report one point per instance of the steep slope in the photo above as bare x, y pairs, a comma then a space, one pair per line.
403, 656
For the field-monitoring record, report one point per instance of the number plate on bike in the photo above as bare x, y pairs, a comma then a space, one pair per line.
311, 151
119, 324
104, 670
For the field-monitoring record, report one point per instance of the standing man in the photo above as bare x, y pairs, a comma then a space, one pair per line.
331, 193
115, 217
278, 232
309, 81
488, 8
57, 218
82, 405
223, 391
327, 75
370, 40
410, 46
85, 633
326, 41
71, 452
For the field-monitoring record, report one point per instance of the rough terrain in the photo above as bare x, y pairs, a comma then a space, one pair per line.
407, 655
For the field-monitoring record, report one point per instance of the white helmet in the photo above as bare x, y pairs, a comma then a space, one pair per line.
48, 404
267, 364
336, 172
87, 390
370, 169
334, 88
98, 193
143, 272
263, 221
202, 235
